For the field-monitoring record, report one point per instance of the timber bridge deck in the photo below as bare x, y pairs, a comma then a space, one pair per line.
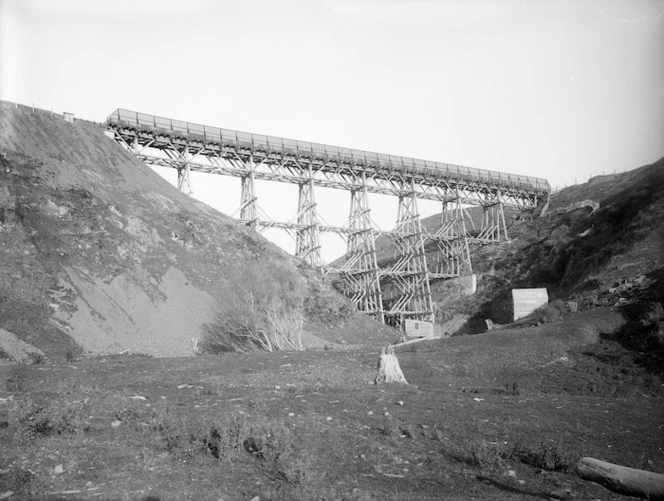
189, 147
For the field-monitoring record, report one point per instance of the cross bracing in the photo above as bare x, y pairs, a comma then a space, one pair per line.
189, 147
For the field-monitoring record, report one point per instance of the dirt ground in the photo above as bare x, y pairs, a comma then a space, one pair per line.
503, 415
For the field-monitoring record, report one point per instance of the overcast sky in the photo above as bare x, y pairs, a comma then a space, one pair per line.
562, 89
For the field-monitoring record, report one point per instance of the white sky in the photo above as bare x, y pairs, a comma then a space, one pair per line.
562, 89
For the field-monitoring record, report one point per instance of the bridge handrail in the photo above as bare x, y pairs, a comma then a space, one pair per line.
260, 142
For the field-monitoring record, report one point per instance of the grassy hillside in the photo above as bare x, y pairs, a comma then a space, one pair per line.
100, 254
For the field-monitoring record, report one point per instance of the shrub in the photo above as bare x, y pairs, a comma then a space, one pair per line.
129, 411
31, 419
542, 455
487, 455
226, 437
71, 355
178, 438
37, 358
17, 381
653, 321
15, 479
268, 440
546, 314
394, 427
545, 456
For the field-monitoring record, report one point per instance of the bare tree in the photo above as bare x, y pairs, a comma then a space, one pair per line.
264, 311
286, 324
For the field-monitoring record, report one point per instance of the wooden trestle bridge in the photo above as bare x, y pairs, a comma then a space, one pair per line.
191, 147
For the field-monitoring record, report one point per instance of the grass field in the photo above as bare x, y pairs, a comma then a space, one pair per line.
504, 415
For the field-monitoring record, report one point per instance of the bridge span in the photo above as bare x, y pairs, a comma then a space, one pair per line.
189, 147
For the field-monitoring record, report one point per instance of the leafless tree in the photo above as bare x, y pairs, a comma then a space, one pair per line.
264, 311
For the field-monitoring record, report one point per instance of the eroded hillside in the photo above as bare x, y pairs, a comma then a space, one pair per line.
99, 254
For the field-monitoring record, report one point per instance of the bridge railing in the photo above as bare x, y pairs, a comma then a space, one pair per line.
273, 144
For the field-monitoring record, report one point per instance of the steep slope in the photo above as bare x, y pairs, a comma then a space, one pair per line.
100, 254
577, 254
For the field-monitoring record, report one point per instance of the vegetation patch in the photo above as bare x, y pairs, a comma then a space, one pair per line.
30, 419
549, 456
260, 315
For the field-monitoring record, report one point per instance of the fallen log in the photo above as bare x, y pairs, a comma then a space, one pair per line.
622, 479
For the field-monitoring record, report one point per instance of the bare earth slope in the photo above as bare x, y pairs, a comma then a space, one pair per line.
99, 253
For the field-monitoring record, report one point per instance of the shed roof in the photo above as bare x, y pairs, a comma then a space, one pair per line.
526, 294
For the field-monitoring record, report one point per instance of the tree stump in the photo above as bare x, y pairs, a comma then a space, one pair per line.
388, 368
622, 479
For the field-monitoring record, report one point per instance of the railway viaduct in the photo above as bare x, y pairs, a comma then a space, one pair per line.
189, 147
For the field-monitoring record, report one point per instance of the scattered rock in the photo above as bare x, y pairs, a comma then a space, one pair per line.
116, 423
59, 470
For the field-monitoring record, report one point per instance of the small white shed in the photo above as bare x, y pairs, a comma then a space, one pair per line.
525, 301
418, 328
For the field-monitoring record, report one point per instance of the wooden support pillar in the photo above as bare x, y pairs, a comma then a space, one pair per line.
307, 245
248, 210
184, 179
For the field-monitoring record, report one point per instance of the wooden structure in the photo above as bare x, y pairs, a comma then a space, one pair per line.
189, 147
525, 301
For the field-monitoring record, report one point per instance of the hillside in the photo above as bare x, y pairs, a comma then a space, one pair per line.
596, 258
101, 255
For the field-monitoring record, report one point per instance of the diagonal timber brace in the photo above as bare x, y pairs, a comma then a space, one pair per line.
360, 275
409, 275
